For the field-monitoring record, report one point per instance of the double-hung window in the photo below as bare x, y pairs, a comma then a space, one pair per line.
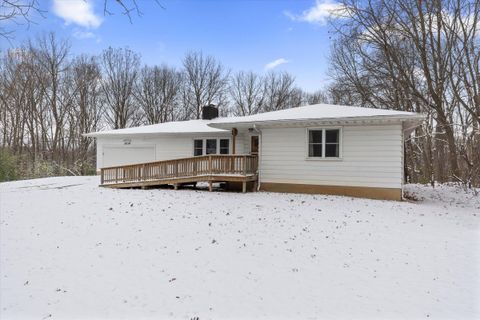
211, 146
324, 143
198, 147
224, 146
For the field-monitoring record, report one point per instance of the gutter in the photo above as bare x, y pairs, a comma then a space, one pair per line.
100, 134
224, 125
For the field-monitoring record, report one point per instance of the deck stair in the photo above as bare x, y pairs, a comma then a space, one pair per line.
209, 168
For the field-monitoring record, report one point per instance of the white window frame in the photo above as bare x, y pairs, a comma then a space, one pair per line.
204, 145
324, 138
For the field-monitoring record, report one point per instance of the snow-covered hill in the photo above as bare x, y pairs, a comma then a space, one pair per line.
72, 250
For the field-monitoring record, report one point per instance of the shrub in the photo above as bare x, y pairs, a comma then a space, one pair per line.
8, 166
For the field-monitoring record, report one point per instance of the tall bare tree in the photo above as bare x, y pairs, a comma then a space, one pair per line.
86, 115
52, 72
279, 92
246, 93
206, 82
158, 93
120, 71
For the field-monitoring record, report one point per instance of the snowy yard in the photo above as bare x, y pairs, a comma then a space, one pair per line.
70, 249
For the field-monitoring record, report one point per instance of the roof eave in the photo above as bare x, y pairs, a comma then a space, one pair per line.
147, 134
240, 124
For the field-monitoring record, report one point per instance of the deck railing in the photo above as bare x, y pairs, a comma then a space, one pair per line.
242, 165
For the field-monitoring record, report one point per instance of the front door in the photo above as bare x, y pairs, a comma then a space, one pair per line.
254, 145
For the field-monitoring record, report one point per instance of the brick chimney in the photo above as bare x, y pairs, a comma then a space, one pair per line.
209, 112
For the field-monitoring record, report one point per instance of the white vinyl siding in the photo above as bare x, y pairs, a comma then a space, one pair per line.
371, 157
122, 155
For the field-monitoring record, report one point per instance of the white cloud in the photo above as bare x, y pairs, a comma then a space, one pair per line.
79, 34
319, 13
275, 63
79, 12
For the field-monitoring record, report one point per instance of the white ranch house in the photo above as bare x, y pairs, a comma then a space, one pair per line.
319, 148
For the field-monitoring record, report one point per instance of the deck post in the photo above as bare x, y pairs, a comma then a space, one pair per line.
210, 182
244, 186
175, 186
234, 135
101, 176
244, 165
210, 164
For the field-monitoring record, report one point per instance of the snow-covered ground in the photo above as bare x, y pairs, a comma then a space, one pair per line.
72, 250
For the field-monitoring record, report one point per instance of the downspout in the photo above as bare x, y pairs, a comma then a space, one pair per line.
403, 162
260, 147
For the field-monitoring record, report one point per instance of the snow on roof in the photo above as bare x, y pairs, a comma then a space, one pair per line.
190, 126
317, 112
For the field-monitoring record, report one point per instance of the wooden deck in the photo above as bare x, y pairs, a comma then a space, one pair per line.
210, 168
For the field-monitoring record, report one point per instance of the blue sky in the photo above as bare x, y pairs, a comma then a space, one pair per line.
243, 34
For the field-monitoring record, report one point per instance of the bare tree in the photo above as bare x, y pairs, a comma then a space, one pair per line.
246, 93
12, 97
21, 118
279, 92
418, 56
127, 7
17, 11
158, 93
206, 83
316, 97
51, 71
120, 71
88, 110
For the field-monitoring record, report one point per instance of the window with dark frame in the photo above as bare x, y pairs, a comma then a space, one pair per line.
324, 143
198, 147
224, 146
211, 146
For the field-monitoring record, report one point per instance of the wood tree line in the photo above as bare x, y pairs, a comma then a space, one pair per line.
49, 97
421, 56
